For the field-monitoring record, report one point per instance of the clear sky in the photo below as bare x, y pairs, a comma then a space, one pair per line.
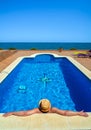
45, 20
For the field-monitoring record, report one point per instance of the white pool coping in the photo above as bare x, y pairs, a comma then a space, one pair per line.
8, 69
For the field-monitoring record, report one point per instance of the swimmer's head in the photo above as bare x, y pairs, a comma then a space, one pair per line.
44, 105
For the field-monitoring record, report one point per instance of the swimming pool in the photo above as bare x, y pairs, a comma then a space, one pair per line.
45, 76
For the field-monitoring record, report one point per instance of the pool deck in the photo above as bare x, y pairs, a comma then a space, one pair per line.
44, 121
8, 60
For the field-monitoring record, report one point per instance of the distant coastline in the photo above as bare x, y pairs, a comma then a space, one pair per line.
45, 45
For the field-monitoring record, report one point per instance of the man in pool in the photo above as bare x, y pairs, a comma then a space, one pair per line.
45, 107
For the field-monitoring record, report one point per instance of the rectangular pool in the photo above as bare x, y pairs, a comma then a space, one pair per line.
45, 76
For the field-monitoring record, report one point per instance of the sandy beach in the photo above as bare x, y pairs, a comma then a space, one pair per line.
8, 56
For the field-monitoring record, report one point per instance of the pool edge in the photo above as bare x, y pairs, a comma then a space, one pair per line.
8, 69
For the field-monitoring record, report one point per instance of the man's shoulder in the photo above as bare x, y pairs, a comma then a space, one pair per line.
36, 110
53, 109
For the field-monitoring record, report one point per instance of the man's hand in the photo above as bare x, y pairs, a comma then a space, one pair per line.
7, 114
82, 113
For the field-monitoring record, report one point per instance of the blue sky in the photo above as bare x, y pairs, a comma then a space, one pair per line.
45, 20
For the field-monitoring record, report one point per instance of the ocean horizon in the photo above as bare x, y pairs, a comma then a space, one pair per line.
44, 45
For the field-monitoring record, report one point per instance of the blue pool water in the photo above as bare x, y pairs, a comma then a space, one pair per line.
44, 76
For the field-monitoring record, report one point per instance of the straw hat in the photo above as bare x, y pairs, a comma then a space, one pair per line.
44, 105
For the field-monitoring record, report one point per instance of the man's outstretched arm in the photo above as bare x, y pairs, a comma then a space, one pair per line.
23, 113
69, 113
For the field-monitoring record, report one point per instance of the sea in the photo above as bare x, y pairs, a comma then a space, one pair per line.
45, 45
